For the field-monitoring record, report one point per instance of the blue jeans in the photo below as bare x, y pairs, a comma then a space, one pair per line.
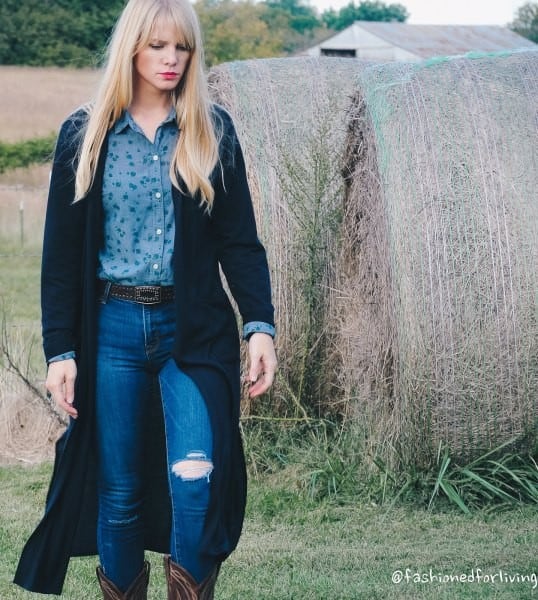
134, 345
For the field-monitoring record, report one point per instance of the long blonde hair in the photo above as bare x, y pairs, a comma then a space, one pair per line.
196, 152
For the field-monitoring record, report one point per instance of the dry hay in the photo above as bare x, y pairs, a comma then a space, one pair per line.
27, 429
35, 100
290, 117
439, 324
29, 426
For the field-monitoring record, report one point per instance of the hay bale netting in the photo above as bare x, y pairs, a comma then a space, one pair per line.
290, 115
439, 320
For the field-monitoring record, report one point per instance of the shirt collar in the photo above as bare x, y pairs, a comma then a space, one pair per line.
126, 120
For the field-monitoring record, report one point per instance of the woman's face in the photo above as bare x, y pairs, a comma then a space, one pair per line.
159, 67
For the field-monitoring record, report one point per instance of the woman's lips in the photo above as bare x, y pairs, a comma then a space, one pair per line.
169, 75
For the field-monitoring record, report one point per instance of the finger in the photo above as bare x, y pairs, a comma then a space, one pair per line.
255, 368
59, 396
62, 404
70, 390
254, 372
263, 383
68, 408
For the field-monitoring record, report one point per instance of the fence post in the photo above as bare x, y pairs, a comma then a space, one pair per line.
21, 221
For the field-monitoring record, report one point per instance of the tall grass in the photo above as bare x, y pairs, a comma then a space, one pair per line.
323, 461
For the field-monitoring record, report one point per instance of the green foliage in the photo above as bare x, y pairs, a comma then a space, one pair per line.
236, 30
75, 33
526, 21
61, 32
364, 11
325, 462
22, 154
298, 16
494, 479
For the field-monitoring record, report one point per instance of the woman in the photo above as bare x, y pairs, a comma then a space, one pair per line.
148, 196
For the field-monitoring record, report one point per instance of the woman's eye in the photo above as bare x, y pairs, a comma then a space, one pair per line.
155, 46
182, 48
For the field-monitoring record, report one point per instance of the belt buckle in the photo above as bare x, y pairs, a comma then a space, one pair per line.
148, 294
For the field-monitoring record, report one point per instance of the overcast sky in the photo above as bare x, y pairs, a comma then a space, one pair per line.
446, 12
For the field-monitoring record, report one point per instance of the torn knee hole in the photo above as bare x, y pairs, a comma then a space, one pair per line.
195, 466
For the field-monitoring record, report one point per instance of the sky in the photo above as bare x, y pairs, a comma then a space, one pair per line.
446, 12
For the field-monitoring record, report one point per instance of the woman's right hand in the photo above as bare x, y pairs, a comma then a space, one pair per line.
60, 384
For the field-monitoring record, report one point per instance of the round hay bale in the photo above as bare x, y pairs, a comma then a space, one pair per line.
290, 116
439, 320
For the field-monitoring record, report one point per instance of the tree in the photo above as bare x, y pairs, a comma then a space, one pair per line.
299, 16
526, 21
235, 30
59, 32
364, 11
297, 23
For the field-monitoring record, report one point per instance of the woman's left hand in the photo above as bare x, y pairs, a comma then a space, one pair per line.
262, 363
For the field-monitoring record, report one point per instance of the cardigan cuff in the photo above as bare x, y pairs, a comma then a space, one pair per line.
64, 356
257, 327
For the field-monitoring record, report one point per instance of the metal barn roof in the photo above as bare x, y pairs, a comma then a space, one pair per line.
373, 38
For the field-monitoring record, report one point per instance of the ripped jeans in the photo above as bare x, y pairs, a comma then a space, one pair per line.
134, 345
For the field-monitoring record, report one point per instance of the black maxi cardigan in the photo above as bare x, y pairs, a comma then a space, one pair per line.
206, 347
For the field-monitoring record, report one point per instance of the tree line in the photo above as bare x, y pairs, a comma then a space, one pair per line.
74, 32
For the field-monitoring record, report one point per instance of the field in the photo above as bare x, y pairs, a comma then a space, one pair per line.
35, 101
297, 544
292, 549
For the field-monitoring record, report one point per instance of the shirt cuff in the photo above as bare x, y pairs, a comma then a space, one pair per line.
257, 327
64, 356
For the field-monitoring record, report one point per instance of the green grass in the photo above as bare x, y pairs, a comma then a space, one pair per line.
296, 548
19, 283
19, 309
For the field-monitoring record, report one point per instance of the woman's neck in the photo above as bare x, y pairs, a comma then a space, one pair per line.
150, 114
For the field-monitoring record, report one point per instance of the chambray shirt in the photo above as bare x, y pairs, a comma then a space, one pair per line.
139, 224
137, 202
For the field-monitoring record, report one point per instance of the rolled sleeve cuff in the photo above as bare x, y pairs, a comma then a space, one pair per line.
257, 327
64, 356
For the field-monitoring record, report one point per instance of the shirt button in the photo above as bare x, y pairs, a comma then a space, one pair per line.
159, 231
155, 266
158, 195
155, 157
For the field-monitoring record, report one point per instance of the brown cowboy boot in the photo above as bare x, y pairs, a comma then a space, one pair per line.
182, 586
138, 590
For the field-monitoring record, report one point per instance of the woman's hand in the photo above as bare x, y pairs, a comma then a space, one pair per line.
262, 363
60, 384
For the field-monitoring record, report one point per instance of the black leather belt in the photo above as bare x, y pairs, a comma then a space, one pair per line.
143, 294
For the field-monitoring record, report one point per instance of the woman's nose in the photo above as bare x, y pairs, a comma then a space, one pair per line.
171, 57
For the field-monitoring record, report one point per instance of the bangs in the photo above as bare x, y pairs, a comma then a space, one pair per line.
184, 32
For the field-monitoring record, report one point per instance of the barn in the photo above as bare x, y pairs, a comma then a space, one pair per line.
379, 41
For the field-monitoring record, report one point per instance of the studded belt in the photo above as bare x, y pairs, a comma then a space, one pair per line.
143, 294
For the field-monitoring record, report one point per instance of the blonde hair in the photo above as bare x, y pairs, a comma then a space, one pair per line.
196, 152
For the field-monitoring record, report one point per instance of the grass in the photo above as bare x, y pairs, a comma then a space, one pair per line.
295, 548
19, 305
27, 114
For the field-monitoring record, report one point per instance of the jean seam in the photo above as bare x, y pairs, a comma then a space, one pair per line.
173, 533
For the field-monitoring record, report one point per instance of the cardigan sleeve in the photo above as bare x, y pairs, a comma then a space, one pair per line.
240, 252
61, 285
